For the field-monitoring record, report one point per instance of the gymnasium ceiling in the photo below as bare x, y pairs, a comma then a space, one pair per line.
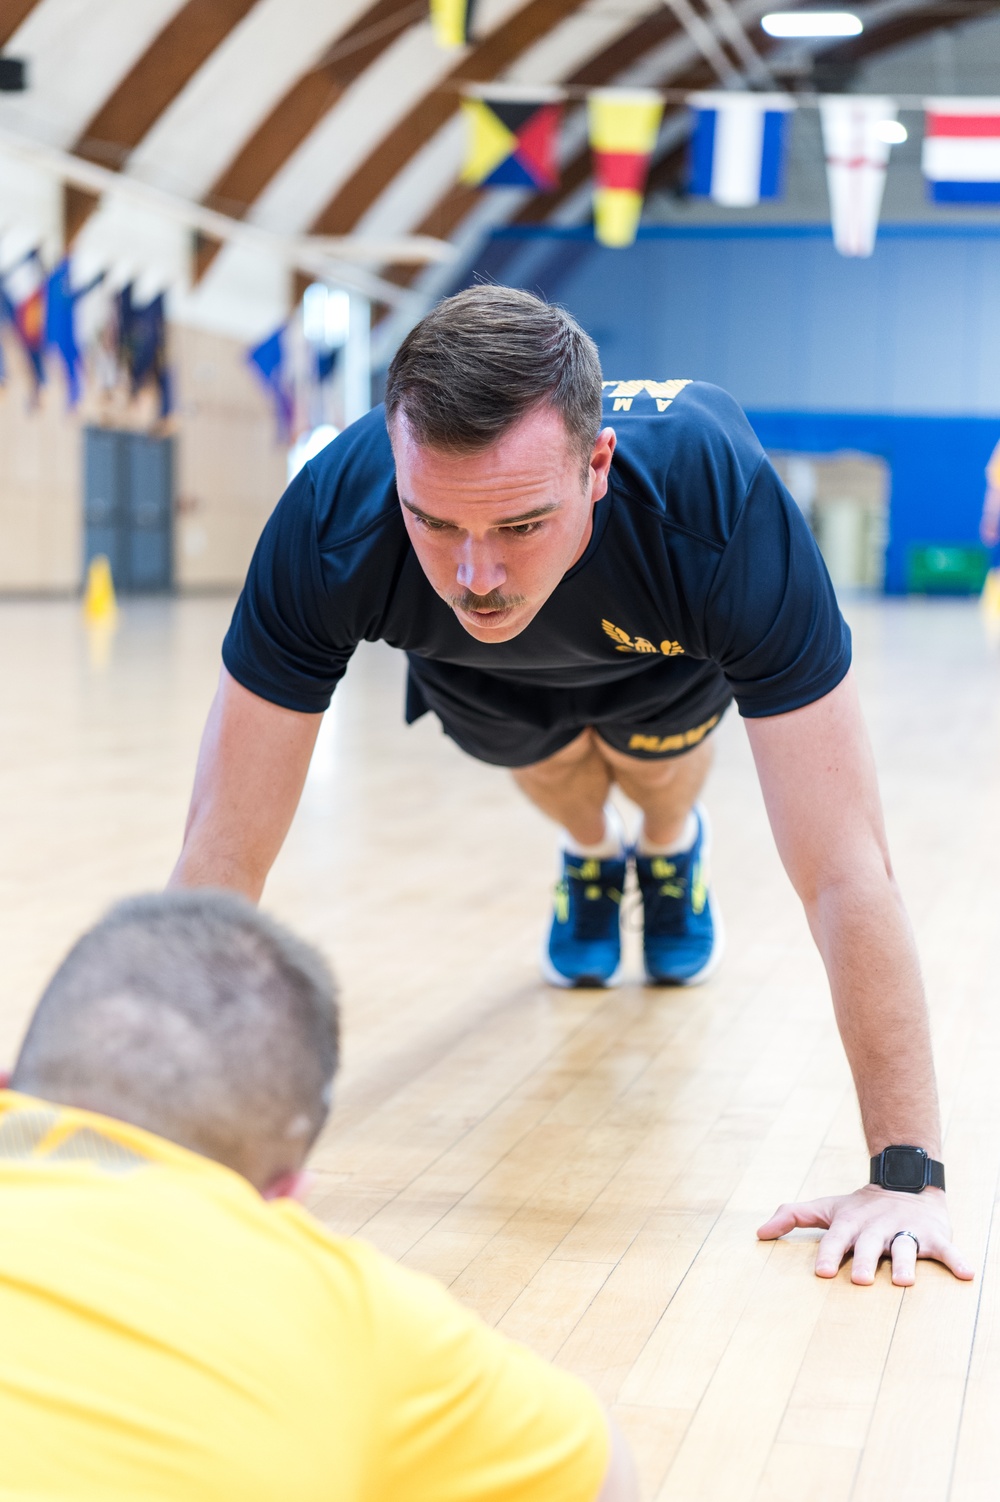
340, 117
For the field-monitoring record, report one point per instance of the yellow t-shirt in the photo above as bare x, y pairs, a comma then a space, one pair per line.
165, 1333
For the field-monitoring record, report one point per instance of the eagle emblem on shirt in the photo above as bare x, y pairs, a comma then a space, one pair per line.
625, 643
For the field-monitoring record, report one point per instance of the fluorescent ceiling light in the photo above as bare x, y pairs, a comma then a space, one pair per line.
891, 131
812, 23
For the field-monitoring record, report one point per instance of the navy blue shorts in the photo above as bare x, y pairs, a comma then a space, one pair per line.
511, 724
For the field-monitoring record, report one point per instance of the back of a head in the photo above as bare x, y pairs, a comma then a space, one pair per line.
198, 1018
485, 358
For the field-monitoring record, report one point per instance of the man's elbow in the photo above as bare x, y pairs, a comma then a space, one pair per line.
859, 871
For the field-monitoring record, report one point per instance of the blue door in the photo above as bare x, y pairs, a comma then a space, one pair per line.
128, 507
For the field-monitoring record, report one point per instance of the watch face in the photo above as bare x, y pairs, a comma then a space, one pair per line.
903, 1168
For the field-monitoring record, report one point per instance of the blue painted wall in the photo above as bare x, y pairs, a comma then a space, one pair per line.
936, 465
897, 355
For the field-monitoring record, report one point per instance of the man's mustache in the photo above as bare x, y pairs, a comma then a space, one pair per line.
495, 600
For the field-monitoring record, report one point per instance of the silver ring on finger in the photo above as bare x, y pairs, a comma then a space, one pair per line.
912, 1237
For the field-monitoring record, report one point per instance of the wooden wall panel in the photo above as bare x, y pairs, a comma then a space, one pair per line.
230, 467
40, 505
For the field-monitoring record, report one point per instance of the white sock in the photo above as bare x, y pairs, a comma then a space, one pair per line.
687, 837
611, 847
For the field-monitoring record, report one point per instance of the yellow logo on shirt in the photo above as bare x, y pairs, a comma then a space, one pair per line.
682, 742
623, 393
625, 643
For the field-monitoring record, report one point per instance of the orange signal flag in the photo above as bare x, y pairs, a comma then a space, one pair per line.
623, 126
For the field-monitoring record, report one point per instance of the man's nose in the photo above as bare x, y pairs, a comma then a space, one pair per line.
480, 569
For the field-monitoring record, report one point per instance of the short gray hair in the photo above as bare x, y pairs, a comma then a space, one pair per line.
485, 358
197, 1017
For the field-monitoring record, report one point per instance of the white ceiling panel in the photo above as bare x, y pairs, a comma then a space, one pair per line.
424, 180
236, 89
77, 51
339, 144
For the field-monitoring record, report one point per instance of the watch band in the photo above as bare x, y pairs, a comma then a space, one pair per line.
906, 1169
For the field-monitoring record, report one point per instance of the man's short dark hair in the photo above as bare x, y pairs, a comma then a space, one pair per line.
485, 358
196, 1017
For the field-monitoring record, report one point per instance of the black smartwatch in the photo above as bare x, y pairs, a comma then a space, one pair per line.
907, 1168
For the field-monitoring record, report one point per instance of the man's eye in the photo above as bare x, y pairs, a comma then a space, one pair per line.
523, 529
431, 525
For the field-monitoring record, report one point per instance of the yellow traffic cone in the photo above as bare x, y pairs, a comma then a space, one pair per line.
991, 606
99, 603
100, 612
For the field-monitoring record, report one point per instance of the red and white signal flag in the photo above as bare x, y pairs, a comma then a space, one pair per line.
857, 156
961, 155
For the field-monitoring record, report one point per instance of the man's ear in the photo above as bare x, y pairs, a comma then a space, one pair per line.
293, 1185
600, 461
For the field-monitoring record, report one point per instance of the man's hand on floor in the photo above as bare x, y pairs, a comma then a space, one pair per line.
866, 1222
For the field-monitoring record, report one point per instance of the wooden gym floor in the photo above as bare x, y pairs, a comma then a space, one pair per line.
586, 1169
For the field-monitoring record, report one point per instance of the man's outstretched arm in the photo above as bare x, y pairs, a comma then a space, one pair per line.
251, 768
818, 778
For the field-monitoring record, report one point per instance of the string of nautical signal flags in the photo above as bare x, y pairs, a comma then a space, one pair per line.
737, 152
40, 309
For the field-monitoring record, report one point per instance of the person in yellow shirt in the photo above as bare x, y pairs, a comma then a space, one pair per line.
989, 531
989, 527
174, 1325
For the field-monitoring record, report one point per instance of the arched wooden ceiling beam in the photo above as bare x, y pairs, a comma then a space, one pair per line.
12, 13
481, 63
150, 86
307, 101
155, 80
299, 111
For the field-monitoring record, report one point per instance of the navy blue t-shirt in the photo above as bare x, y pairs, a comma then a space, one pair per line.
701, 581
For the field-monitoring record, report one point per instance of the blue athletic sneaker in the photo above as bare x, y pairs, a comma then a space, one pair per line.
584, 946
682, 935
